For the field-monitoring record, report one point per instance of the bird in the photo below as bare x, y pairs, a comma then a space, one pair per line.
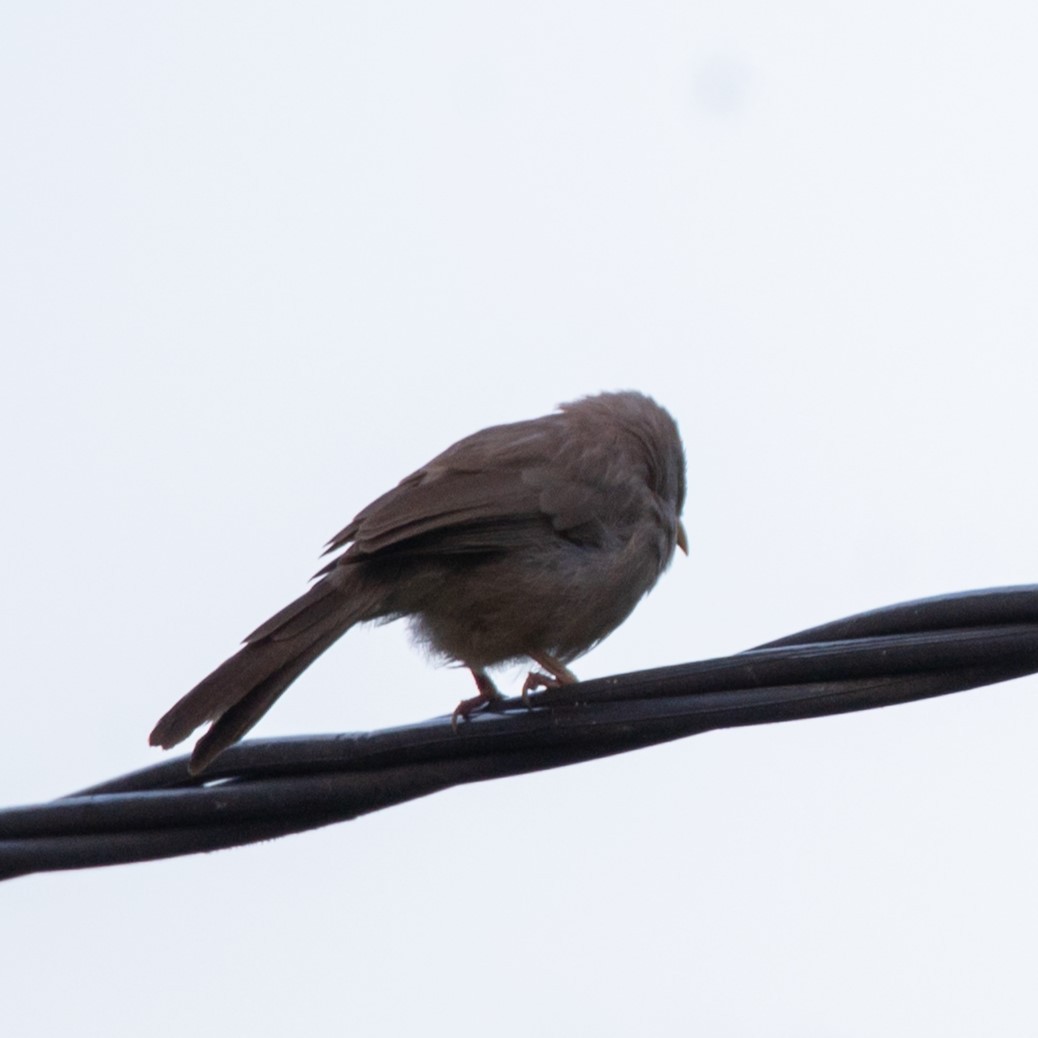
529, 540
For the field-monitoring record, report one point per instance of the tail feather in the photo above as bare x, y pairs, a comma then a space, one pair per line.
243, 688
321, 601
244, 712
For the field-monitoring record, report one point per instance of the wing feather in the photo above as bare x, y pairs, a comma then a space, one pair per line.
490, 491
480, 495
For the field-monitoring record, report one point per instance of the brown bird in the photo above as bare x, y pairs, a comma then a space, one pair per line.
529, 540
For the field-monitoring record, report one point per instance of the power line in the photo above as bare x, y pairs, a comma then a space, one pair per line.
261, 789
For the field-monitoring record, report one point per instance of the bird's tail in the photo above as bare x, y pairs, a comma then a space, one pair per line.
242, 689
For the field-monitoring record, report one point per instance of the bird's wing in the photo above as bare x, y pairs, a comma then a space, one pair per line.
484, 494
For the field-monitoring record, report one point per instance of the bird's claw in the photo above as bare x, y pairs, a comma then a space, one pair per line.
537, 680
465, 707
488, 693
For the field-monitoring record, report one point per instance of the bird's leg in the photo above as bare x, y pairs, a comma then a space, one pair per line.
488, 693
557, 674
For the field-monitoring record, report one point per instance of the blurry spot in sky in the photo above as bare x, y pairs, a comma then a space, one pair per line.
721, 85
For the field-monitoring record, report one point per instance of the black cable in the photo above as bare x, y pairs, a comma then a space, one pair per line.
265, 788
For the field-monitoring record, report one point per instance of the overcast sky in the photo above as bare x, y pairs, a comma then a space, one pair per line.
259, 261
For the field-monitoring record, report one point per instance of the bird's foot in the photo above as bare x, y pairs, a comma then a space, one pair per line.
557, 675
488, 693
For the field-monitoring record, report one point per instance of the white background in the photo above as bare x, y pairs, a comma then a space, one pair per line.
259, 261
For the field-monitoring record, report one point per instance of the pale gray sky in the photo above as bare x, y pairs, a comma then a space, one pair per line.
260, 261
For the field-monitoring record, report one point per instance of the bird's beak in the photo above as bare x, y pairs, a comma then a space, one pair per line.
682, 538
